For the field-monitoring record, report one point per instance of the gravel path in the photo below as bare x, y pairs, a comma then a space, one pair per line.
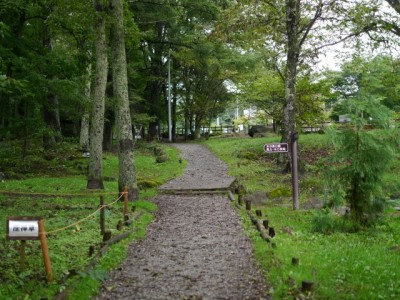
195, 248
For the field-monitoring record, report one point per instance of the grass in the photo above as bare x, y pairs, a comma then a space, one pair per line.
69, 247
342, 265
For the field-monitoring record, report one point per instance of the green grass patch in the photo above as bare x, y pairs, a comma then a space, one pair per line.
342, 264
69, 245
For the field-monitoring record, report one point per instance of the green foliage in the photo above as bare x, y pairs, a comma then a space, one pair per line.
379, 74
69, 248
347, 263
362, 157
249, 155
148, 183
280, 192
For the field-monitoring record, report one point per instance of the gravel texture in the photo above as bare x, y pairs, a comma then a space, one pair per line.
195, 248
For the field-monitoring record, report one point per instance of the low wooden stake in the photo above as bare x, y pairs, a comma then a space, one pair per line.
248, 204
266, 223
102, 216
258, 213
231, 196
260, 227
91, 250
307, 286
119, 225
107, 235
295, 261
240, 199
271, 232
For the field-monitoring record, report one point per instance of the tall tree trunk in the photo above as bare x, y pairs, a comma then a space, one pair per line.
289, 117
51, 112
109, 123
173, 108
84, 132
155, 86
127, 171
95, 176
51, 116
197, 128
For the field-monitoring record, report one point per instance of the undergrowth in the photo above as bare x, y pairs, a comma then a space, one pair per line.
343, 262
61, 199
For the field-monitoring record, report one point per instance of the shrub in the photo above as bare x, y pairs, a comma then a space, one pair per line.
248, 155
361, 158
280, 192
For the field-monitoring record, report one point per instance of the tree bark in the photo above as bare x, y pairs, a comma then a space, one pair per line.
174, 106
95, 176
289, 117
84, 132
51, 109
127, 170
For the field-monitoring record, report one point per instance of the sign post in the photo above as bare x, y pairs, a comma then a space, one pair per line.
45, 251
295, 173
276, 148
283, 148
29, 228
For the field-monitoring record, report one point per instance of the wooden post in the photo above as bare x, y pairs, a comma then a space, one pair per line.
271, 232
22, 257
295, 261
295, 175
258, 213
106, 235
240, 199
266, 223
102, 216
125, 201
45, 250
307, 286
91, 250
248, 204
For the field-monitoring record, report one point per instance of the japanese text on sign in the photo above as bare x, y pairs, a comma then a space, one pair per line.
276, 148
23, 229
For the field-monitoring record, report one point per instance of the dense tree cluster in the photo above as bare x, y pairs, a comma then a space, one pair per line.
98, 69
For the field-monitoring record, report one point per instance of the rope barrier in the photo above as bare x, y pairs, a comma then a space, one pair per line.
87, 217
57, 195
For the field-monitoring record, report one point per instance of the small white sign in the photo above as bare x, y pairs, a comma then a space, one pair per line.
277, 148
23, 228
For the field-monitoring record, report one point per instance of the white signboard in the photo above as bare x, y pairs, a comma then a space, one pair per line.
276, 148
23, 229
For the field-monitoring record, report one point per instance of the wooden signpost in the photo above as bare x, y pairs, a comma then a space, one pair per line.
276, 148
29, 228
283, 148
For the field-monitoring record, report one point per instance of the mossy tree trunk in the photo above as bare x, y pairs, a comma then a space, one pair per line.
127, 171
84, 132
292, 57
51, 107
95, 174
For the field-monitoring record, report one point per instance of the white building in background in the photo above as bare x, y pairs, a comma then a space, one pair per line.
344, 118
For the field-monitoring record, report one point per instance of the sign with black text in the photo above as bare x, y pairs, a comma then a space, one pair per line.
276, 148
23, 228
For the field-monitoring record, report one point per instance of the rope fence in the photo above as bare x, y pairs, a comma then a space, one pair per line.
37, 225
87, 217
89, 194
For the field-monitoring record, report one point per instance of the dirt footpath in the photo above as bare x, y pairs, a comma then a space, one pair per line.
195, 248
